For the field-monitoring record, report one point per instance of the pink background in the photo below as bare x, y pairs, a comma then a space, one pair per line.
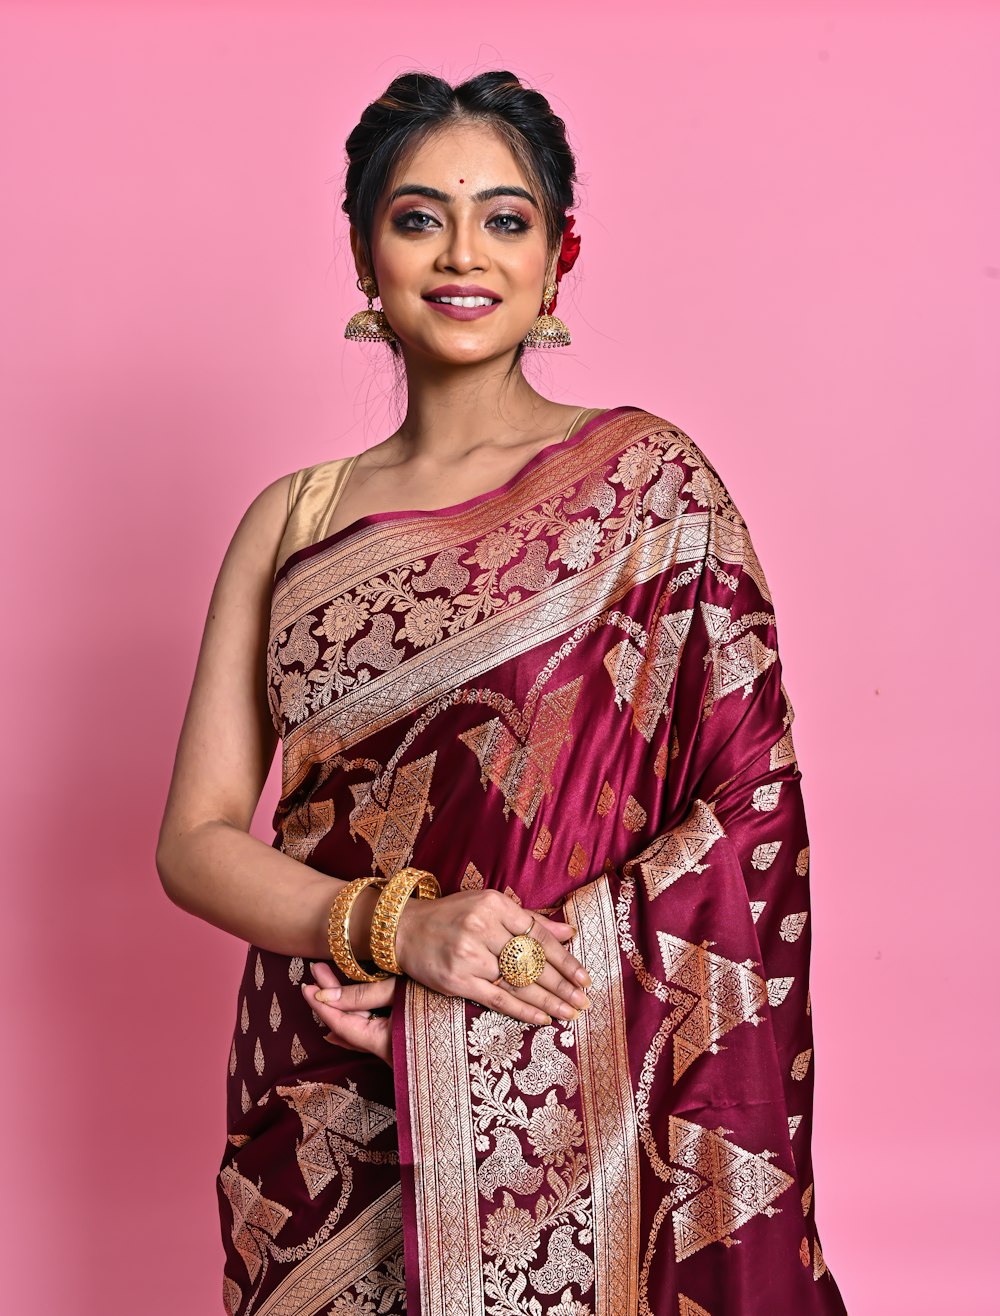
790, 249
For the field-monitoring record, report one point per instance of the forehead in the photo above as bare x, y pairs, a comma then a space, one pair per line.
473, 152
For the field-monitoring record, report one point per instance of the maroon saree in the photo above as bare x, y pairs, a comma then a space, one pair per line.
568, 689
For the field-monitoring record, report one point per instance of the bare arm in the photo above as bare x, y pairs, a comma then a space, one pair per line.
207, 860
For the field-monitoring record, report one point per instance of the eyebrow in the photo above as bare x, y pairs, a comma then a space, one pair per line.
416, 189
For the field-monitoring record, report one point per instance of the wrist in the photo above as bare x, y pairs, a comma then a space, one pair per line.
361, 922
403, 928
402, 887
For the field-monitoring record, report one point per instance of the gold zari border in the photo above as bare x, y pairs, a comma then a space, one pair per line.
444, 1155
341, 1261
441, 1116
607, 1103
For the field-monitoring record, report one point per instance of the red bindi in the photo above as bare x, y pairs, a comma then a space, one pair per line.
461, 180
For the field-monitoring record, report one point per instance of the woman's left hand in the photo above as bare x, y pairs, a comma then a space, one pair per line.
348, 1020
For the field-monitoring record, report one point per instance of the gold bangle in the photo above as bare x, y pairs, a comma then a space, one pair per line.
338, 931
389, 906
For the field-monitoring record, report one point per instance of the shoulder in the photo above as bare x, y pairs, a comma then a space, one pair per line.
679, 479
664, 442
312, 495
322, 476
666, 432
270, 510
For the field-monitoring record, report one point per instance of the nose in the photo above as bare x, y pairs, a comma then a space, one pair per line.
464, 251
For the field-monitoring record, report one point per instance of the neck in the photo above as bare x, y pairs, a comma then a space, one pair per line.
453, 409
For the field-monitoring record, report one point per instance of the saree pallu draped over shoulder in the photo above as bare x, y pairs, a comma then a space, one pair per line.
569, 690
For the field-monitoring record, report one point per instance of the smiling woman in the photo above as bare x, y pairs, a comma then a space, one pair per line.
540, 839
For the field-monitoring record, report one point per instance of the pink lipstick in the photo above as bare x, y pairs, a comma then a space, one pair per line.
459, 295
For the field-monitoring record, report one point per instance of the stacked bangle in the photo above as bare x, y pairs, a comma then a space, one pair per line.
385, 919
339, 933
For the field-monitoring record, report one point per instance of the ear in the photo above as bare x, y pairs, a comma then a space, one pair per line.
357, 250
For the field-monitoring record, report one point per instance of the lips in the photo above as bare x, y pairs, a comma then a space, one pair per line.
462, 290
468, 292
462, 312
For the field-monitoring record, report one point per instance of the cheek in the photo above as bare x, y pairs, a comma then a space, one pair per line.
530, 261
394, 267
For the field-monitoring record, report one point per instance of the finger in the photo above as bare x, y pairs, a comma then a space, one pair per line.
354, 996
556, 954
354, 1029
563, 973
564, 931
553, 993
497, 996
324, 974
359, 1033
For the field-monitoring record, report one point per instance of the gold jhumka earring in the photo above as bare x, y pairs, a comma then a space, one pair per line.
548, 330
369, 326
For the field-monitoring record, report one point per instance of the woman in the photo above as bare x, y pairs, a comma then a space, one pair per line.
524, 655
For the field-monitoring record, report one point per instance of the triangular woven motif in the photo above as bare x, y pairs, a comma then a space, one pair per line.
392, 831
522, 772
737, 1186
739, 664
726, 994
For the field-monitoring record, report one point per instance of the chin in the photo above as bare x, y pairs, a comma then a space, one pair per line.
466, 351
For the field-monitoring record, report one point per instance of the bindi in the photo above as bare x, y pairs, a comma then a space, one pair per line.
461, 180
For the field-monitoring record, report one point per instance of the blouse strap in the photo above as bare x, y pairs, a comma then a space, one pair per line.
575, 422
313, 495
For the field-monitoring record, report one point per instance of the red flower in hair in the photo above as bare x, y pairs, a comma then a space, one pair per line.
568, 253
570, 249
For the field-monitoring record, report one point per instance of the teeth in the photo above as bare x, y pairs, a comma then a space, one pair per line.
464, 301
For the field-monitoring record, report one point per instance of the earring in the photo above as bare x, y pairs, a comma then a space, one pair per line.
369, 326
548, 330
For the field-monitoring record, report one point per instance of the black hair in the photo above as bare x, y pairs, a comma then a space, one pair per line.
416, 104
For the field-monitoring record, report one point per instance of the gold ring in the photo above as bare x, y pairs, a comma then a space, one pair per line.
522, 960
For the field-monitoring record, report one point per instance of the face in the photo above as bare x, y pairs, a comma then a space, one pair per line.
459, 216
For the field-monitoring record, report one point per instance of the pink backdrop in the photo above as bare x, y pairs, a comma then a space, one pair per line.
789, 220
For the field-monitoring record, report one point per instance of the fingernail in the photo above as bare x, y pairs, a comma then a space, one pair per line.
582, 976
328, 995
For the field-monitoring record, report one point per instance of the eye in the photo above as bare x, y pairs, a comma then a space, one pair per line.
403, 221
513, 223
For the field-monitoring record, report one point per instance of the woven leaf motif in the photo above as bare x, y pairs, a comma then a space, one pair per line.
633, 815
800, 1065
792, 925
543, 842
765, 798
777, 989
765, 854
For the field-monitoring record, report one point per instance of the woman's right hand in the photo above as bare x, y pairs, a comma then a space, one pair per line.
451, 945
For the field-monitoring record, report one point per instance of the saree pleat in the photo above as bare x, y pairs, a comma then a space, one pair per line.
568, 690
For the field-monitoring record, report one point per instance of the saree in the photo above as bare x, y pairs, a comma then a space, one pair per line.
567, 689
